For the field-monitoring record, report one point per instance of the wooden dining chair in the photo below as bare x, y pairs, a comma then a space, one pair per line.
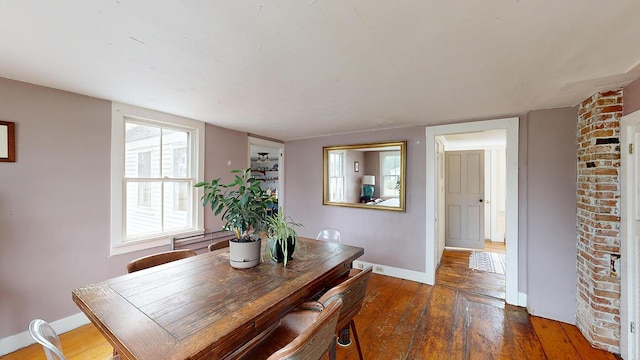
305, 333
158, 259
219, 245
352, 290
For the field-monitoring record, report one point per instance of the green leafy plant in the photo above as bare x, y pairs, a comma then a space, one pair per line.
242, 202
280, 229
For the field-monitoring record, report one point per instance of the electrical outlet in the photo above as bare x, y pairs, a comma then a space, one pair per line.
360, 266
379, 269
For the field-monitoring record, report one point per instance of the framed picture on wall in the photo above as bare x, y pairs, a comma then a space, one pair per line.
7, 141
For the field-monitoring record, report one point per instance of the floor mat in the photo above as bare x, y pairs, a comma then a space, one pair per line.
486, 261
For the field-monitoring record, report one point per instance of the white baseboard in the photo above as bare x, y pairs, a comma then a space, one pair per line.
393, 271
23, 339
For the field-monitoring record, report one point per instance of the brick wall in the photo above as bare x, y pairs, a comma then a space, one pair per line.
598, 220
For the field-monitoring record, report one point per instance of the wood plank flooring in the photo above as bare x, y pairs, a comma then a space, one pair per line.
463, 317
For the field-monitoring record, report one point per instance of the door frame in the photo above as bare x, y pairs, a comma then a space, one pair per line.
511, 125
629, 273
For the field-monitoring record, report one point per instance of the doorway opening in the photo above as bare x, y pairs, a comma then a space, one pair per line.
471, 207
266, 160
434, 202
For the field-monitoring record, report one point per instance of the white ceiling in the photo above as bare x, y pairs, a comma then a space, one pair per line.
294, 69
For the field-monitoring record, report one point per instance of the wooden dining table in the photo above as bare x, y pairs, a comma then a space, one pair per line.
201, 307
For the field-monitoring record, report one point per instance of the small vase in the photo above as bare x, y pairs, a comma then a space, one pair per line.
278, 254
244, 255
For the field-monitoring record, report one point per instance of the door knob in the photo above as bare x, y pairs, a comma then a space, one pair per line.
480, 200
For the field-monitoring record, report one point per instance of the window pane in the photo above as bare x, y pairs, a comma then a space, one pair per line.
336, 176
142, 139
180, 163
391, 186
142, 219
181, 195
390, 173
144, 164
176, 202
336, 186
336, 165
174, 153
144, 194
154, 207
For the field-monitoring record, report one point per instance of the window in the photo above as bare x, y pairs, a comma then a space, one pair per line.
144, 171
391, 170
156, 160
180, 189
336, 176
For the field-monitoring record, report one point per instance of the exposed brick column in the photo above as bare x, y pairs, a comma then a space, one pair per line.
598, 220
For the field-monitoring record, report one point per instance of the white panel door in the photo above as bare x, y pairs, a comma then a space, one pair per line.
464, 198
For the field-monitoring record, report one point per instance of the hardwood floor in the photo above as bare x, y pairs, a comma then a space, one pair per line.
463, 317
454, 272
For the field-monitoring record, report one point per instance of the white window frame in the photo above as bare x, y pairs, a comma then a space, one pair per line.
119, 113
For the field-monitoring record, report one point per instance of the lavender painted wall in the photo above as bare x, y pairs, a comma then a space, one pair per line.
388, 237
547, 182
353, 179
372, 167
551, 230
225, 150
54, 201
631, 97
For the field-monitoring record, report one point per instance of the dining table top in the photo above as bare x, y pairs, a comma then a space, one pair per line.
201, 307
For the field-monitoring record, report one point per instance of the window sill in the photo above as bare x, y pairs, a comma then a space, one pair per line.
132, 246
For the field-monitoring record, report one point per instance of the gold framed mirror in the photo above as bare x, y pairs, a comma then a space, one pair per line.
367, 176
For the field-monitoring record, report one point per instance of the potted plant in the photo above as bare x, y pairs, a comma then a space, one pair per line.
243, 205
282, 237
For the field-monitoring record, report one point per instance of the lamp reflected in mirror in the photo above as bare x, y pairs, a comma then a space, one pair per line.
376, 183
368, 181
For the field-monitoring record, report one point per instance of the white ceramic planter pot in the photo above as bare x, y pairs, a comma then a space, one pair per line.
244, 255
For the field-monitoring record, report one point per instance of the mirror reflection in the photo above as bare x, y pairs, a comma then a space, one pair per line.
367, 176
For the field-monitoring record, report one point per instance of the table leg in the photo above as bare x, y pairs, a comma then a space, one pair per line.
332, 349
344, 336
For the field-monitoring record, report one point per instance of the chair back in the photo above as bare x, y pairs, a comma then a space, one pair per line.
315, 341
44, 334
219, 245
352, 292
332, 235
158, 259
